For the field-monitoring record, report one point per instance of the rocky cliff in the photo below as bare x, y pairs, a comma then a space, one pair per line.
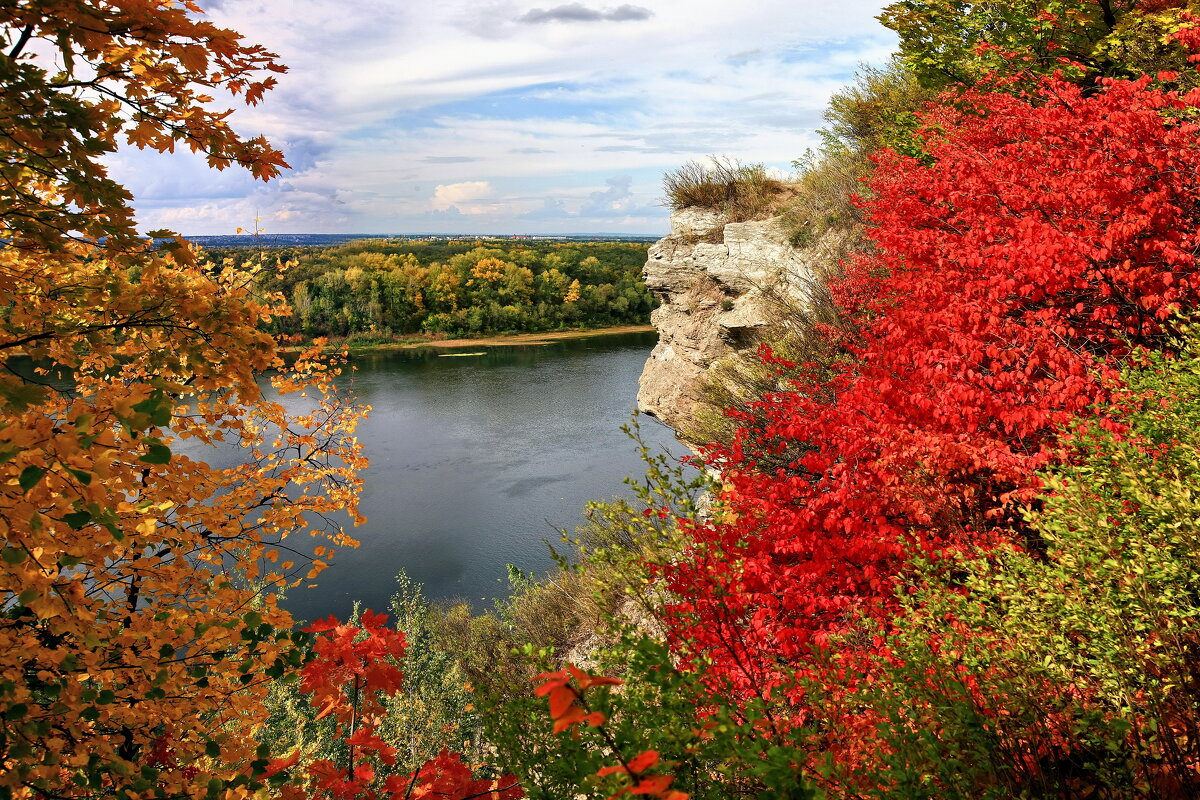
723, 286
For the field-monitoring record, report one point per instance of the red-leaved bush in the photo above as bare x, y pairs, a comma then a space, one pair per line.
1047, 235
353, 668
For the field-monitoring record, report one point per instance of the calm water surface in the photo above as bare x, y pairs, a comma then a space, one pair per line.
476, 460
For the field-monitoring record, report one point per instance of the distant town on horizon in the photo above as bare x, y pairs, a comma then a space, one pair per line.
327, 239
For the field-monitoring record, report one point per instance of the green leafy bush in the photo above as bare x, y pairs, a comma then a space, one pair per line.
1067, 667
878, 110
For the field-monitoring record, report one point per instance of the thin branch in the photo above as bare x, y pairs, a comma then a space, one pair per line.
26, 35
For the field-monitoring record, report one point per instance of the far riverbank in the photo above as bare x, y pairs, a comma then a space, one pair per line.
505, 340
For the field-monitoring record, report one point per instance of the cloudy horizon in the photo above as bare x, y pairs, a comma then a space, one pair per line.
508, 116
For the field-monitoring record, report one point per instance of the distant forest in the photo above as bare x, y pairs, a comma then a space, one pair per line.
373, 289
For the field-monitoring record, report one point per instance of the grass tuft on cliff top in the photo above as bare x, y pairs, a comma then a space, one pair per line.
741, 192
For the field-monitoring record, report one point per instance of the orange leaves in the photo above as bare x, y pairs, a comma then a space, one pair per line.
637, 764
658, 786
565, 692
278, 765
641, 782
193, 58
120, 537
565, 711
566, 700
583, 681
364, 738
157, 66
126, 553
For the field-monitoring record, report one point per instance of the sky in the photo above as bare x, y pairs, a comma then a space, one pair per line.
509, 116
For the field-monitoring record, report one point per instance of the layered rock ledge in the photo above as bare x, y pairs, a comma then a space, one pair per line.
722, 286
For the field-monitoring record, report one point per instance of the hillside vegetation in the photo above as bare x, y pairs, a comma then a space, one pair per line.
949, 549
373, 289
952, 552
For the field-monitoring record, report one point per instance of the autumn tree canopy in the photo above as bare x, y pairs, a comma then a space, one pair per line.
81, 77
949, 42
138, 629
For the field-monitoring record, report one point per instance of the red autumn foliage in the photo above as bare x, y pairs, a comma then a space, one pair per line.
564, 690
352, 669
356, 657
448, 778
1048, 235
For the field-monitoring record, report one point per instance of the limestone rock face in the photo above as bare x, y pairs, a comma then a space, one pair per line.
721, 285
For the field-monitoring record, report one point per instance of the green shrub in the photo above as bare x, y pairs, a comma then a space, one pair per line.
435, 710
878, 110
940, 40
711, 752
1067, 667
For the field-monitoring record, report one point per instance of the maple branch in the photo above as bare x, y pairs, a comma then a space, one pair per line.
1106, 12
26, 34
131, 324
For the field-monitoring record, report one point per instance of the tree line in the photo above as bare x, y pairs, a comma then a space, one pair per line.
377, 288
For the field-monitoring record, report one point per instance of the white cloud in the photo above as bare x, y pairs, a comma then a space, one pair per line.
391, 108
577, 12
454, 194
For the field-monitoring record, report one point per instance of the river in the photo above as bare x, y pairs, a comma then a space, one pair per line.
477, 459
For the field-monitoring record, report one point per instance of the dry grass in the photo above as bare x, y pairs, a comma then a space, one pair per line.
740, 192
555, 614
825, 197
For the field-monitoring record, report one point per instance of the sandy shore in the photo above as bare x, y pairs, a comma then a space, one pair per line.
513, 340
531, 338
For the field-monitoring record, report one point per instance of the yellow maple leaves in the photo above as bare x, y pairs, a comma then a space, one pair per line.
138, 624
129, 565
